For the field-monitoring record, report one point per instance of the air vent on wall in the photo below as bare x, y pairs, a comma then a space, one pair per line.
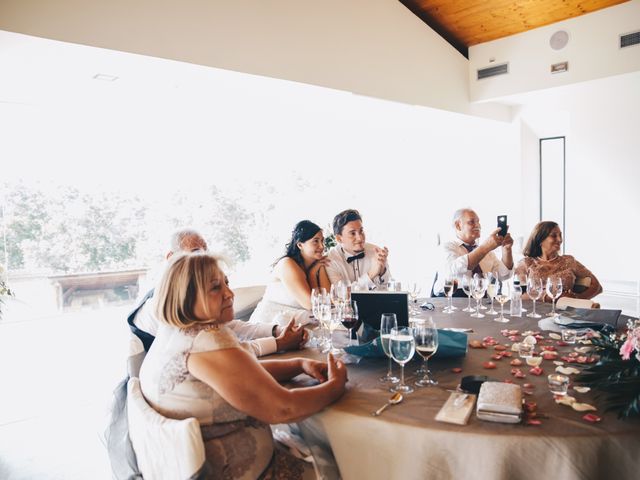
501, 69
629, 39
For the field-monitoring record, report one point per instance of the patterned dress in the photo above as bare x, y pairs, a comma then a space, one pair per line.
237, 446
564, 266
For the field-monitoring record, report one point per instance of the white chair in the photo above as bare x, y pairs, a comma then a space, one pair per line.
246, 299
165, 448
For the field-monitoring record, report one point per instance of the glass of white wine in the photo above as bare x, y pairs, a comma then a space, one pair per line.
388, 321
503, 295
449, 287
535, 291
414, 291
425, 334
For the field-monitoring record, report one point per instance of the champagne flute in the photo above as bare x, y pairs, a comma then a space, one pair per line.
425, 334
554, 290
350, 317
478, 289
449, 287
503, 295
535, 291
491, 290
325, 322
402, 346
466, 282
387, 322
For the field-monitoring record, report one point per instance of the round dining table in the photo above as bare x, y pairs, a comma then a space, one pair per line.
406, 442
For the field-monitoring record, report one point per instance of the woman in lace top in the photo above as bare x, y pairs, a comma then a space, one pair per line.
542, 259
197, 368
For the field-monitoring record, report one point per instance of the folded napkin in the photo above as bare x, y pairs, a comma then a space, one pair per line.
499, 402
450, 345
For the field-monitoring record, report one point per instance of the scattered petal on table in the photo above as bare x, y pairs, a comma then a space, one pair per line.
583, 407
567, 370
534, 361
591, 417
582, 389
565, 400
555, 336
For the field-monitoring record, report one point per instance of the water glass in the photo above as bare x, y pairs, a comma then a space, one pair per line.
449, 288
558, 384
554, 290
402, 346
492, 289
503, 295
388, 321
478, 289
466, 282
569, 335
535, 291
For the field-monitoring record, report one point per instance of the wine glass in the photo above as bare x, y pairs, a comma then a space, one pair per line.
387, 322
554, 290
466, 282
478, 289
503, 295
317, 296
535, 291
402, 346
425, 334
335, 318
350, 317
414, 291
324, 317
491, 290
449, 287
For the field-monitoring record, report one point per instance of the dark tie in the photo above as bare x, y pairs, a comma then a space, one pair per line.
471, 248
355, 257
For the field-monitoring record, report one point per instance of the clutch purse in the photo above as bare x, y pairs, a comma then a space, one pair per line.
499, 402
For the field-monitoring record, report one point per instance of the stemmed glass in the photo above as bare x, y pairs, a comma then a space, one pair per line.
492, 288
335, 318
414, 291
503, 295
425, 334
324, 311
387, 322
350, 317
402, 346
535, 291
478, 289
466, 282
449, 287
554, 290
317, 297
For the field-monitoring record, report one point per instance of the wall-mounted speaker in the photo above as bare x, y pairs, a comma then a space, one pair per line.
559, 40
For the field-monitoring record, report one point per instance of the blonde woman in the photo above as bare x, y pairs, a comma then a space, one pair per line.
197, 368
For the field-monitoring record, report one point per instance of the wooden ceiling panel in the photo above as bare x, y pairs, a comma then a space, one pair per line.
464, 23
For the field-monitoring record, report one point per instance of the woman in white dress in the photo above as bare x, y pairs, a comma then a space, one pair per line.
299, 270
197, 368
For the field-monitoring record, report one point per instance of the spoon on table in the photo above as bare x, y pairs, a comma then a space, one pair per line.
394, 400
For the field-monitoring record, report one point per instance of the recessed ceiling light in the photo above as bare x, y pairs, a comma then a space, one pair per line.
104, 77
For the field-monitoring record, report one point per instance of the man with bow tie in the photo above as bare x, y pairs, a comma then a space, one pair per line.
465, 255
354, 260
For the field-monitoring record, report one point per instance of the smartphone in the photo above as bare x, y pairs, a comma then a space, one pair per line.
502, 224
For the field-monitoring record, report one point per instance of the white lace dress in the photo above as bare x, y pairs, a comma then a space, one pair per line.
237, 446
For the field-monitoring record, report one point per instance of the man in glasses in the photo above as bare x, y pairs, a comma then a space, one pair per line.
354, 260
466, 255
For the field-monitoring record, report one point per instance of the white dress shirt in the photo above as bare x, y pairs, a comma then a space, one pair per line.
455, 263
258, 336
356, 271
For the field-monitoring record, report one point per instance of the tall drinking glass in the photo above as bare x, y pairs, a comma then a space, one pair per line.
325, 323
425, 334
466, 282
387, 322
554, 290
402, 346
535, 291
503, 295
414, 291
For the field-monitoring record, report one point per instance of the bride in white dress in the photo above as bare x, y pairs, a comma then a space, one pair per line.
299, 270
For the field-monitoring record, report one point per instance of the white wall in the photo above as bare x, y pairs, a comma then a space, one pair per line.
599, 120
592, 52
376, 48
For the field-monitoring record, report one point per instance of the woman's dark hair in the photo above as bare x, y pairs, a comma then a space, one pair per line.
541, 231
344, 217
303, 231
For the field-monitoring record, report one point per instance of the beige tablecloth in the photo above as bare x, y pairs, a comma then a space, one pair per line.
407, 443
